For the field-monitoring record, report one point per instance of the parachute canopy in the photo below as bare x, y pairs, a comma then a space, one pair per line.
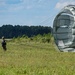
64, 29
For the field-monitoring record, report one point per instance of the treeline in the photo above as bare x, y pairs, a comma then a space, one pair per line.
10, 31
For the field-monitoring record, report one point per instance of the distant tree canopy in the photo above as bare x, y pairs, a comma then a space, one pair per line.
10, 31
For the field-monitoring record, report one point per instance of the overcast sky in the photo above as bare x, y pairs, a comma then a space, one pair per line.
30, 12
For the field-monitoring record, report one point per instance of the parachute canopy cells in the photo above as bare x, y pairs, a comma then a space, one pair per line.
64, 29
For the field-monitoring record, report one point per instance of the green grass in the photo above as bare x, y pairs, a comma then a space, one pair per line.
34, 58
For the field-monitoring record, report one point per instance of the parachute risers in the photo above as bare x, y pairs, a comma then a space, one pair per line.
64, 29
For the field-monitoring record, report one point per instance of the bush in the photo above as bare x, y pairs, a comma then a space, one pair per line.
45, 38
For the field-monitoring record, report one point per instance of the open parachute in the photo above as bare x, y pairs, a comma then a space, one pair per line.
64, 29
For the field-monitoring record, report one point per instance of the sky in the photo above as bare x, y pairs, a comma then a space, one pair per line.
31, 12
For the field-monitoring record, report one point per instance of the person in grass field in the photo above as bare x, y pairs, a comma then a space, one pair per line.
4, 44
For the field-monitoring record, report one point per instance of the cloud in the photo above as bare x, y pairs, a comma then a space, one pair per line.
29, 7
2, 3
23, 4
10, 6
18, 5
39, 1
15, 8
35, 3
63, 3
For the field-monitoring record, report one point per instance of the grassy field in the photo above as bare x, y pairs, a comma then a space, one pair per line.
35, 58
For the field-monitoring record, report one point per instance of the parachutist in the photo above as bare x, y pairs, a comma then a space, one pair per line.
4, 44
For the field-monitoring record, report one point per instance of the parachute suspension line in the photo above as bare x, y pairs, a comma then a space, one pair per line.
46, 21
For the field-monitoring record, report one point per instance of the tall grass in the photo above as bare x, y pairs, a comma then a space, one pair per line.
27, 57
